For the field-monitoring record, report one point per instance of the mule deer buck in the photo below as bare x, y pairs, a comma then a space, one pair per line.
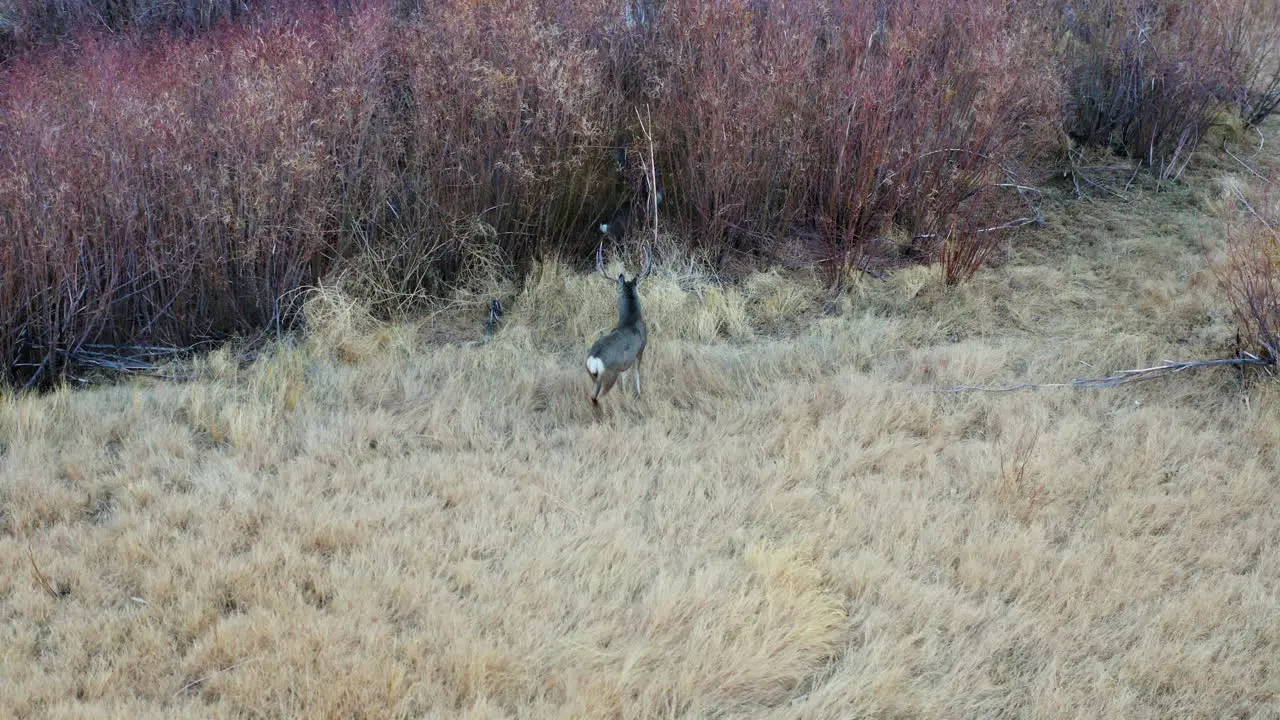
629, 214
622, 349
642, 192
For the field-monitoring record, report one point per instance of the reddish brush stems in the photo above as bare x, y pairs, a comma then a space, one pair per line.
167, 188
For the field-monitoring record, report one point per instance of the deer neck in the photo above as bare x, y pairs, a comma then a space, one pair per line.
629, 308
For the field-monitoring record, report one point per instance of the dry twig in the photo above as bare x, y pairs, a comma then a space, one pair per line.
45, 582
1242, 163
212, 675
1002, 226
1240, 196
651, 177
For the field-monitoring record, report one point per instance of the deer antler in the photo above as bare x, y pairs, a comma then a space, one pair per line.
648, 265
600, 263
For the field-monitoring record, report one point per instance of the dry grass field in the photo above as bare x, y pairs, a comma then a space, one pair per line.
793, 521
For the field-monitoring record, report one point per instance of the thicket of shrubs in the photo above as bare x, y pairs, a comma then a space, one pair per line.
1149, 78
181, 178
1251, 272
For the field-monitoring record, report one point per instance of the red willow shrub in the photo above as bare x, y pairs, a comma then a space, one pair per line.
29, 23
494, 138
1251, 274
163, 191
168, 188
1148, 79
840, 121
166, 191
169, 193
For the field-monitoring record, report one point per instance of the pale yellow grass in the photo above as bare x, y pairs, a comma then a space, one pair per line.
781, 527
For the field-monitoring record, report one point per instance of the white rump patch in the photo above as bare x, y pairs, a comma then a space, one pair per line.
595, 365
604, 228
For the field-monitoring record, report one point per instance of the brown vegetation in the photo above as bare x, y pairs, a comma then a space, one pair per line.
183, 180
801, 516
806, 526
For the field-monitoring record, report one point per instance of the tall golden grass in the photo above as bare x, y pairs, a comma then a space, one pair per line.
794, 520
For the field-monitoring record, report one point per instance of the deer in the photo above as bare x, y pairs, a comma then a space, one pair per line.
622, 348
644, 195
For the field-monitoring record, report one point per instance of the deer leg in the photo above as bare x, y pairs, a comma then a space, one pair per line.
603, 384
639, 357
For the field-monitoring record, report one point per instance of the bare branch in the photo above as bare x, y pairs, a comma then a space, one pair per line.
1120, 378
213, 674
651, 178
45, 582
1240, 196
1003, 226
1019, 188
1102, 187
1262, 139
1243, 164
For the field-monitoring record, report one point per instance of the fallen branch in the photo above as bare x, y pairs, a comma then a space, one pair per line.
212, 675
1078, 168
1242, 163
863, 264
1013, 178
1132, 177
1262, 139
45, 582
138, 360
1019, 188
1075, 180
1120, 378
1240, 196
1102, 187
1003, 226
